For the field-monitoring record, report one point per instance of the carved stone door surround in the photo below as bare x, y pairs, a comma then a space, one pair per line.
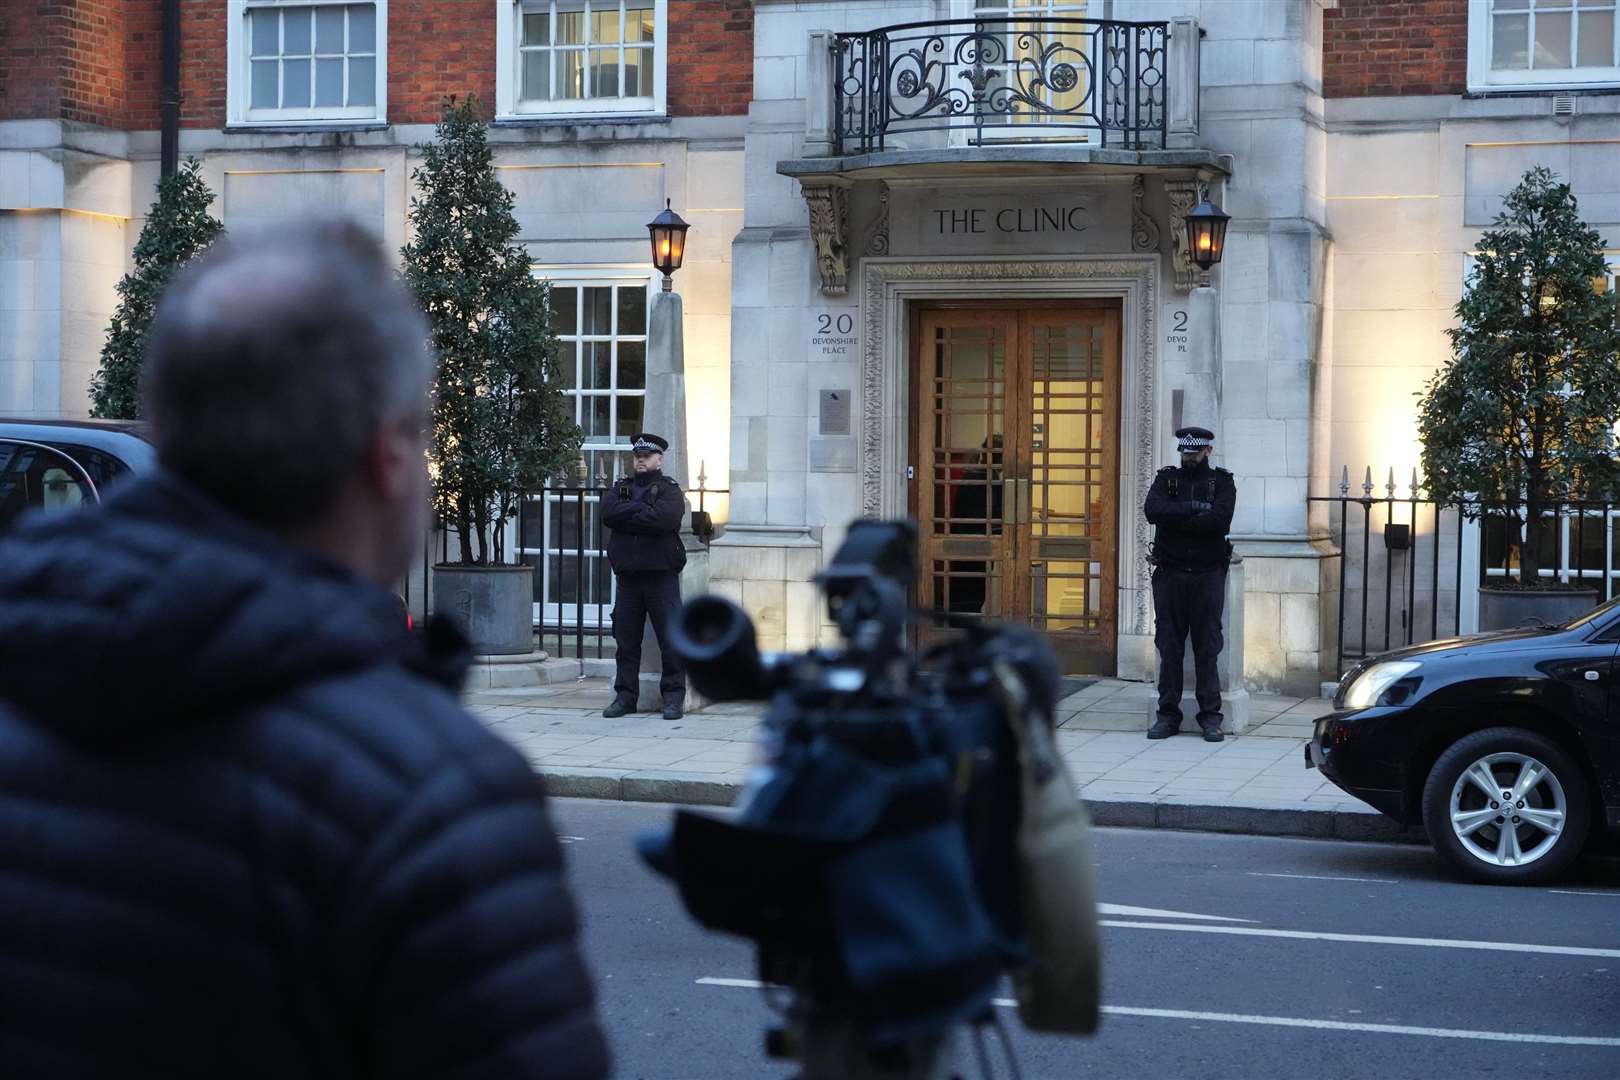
888, 286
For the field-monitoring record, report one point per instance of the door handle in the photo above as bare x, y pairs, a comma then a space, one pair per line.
1593, 676
1024, 509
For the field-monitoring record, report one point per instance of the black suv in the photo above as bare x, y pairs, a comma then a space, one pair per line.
1504, 746
59, 464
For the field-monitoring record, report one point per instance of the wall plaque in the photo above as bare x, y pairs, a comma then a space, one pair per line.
834, 412
1073, 219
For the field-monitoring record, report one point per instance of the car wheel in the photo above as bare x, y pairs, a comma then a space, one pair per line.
1507, 806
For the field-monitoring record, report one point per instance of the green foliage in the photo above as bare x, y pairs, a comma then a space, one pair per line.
177, 229
1522, 416
501, 424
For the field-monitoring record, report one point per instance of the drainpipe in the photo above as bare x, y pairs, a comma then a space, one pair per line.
169, 95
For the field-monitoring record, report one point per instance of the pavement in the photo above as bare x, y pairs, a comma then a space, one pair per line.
1252, 783
1224, 958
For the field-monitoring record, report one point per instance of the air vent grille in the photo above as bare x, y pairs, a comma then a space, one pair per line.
1563, 104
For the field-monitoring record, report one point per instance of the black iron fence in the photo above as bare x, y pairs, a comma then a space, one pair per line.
1410, 568
1003, 79
561, 536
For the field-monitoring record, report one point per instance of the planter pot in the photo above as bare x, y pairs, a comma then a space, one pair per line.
1508, 609
494, 605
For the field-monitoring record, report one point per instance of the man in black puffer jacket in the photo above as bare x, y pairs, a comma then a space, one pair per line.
245, 828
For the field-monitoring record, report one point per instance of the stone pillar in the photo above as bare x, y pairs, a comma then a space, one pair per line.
666, 415
1201, 386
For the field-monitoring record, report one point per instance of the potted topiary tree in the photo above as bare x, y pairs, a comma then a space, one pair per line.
178, 228
1521, 420
501, 424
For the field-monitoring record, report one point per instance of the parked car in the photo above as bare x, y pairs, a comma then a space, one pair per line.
1504, 746
58, 464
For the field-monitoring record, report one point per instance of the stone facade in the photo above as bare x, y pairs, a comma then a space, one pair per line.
1358, 176
1337, 133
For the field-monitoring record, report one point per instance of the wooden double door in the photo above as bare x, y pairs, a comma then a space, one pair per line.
1015, 485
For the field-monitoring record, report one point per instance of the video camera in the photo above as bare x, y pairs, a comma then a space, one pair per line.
910, 836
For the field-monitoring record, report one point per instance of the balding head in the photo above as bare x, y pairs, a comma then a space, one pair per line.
274, 362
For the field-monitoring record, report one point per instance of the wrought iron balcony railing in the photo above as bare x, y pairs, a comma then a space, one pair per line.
987, 81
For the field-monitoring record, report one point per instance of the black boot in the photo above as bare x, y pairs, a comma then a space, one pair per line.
1212, 730
1164, 727
619, 707
673, 708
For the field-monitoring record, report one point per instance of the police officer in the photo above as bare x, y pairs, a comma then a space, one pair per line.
643, 513
1190, 508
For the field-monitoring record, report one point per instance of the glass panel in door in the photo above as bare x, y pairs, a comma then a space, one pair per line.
964, 363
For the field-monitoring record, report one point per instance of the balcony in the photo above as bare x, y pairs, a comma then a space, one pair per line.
982, 82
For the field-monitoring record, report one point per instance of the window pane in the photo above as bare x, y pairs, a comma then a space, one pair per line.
295, 84
1552, 40
571, 23
605, 22
598, 313
329, 82
638, 24
632, 310
266, 32
629, 416
596, 420
604, 73
362, 28
598, 364
329, 30
638, 73
363, 81
571, 74
264, 84
536, 28
568, 364
1509, 43
564, 302
632, 365
536, 76
1596, 46
295, 32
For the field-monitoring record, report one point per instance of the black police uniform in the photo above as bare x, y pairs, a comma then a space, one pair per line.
643, 515
1191, 509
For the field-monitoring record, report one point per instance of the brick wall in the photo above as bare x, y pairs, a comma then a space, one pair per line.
437, 48
202, 64
711, 57
92, 61
100, 61
1377, 48
30, 56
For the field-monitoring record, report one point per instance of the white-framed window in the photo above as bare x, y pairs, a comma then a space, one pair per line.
1543, 44
580, 57
306, 61
599, 318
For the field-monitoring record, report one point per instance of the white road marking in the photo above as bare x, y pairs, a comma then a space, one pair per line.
1369, 939
1160, 913
1349, 1025
569, 839
1325, 877
1585, 892
1291, 1021
747, 984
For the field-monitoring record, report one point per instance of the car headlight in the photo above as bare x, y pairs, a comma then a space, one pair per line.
1371, 684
